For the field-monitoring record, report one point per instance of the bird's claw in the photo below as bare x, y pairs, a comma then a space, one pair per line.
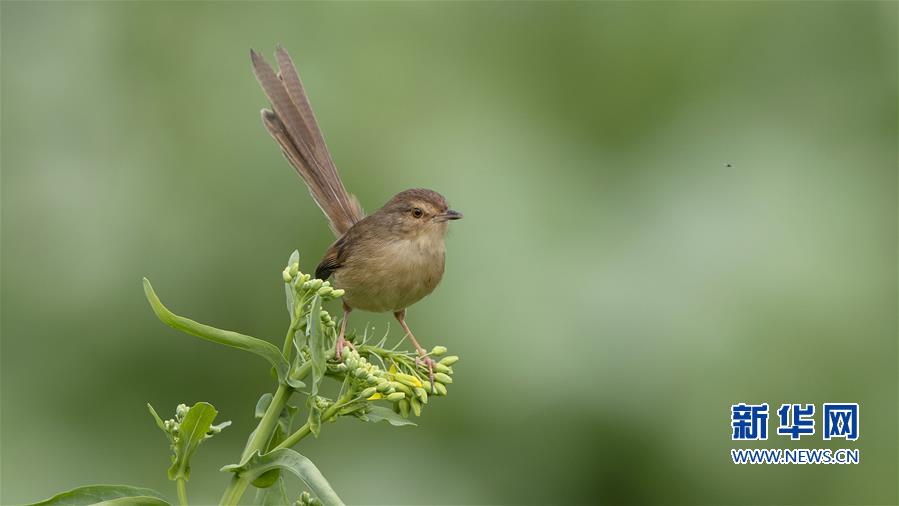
429, 363
338, 347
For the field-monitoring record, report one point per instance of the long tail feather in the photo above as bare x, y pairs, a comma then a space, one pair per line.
292, 124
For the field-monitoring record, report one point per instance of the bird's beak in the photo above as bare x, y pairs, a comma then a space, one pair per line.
449, 215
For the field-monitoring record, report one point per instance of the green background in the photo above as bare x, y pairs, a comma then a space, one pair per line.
669, 208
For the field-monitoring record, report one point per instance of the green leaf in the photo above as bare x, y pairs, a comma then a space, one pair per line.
273, 495
379, 413
196, 424
262, 404
140, 500
291, 461
262, 348
267, 479
219, 426
315, 416
294, 383
160, 423
316, 343
119, 495
318, 355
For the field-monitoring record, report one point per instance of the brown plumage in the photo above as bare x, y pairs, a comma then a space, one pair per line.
292, 124
386, 261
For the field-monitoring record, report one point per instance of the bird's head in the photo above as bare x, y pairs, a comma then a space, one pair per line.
419, 211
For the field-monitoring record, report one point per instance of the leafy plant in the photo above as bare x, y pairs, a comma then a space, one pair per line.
377, 383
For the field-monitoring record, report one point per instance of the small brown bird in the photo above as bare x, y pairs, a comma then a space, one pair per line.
385, 261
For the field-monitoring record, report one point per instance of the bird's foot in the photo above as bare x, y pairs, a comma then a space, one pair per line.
429, 363
338, 347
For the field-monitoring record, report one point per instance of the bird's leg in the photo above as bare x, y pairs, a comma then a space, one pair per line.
401, 317
341, 340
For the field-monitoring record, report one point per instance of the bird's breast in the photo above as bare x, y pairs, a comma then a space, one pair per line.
390, 275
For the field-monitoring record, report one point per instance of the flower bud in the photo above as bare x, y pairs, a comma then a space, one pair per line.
402, 388
325, 291
441, 368
368, 392
440, 387
450, 360
407, 379
294, 269
404, 408
416, 406
395, 396
422, 395
180, 411
443, 378
383, 387
337, 293
438, 350
286, 275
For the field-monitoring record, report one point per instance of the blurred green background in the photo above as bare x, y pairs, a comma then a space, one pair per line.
670, 208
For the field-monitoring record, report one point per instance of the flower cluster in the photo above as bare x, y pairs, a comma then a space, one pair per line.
304, 283
405, 382
306, 499
302, 288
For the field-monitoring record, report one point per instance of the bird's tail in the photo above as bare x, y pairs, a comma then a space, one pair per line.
292, 124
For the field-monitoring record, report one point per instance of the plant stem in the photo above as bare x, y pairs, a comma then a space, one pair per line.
181, 484
257, 443
238, 485
305, 430
288, 340
263, 433
234, 491
296, 436
266, 426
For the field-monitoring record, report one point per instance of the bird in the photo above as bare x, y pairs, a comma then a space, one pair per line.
385, 261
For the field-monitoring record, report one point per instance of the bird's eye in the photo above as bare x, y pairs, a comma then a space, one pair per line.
417, 212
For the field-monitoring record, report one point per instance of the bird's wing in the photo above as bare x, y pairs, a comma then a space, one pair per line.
332, 260
292, 124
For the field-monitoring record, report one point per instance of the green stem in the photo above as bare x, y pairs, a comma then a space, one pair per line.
262, 434
288, 341
296, 436
305, 430
257, 443
234, 491
181, 484
266, 426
